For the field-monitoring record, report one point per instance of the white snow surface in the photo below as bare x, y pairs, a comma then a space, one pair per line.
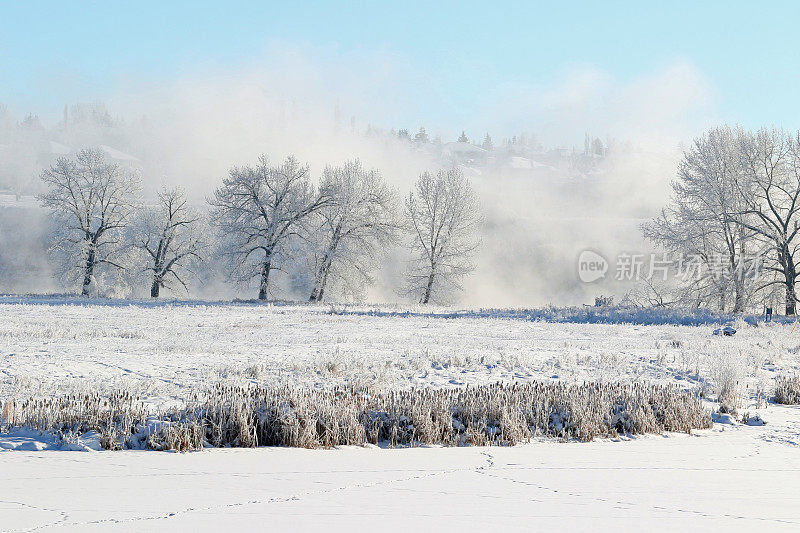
715, 480
731, 477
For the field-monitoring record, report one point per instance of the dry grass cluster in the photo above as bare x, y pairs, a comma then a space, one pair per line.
787, 390
68, 416
499, 414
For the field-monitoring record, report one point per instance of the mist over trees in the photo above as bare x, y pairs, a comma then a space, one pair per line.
734, 208
734, 211
198, 162
262, 219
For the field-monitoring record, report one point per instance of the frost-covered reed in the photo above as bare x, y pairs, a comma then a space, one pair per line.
787, 390
248, 416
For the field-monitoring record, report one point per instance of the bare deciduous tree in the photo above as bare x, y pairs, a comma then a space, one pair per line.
354, 227
704, 221
443, 216
771, 159
738, 196
93, 201
257, 210
168, 235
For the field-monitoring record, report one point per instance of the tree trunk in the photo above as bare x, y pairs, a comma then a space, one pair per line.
739, 290
739, 282
264, 284
155, 288
321, 279
322, 274
88, 272
324, 283
319, 282
316, 292
428, 288
791, 297
738, 303
789, 276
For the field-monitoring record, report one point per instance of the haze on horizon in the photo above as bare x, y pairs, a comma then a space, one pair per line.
211, 84
451, 66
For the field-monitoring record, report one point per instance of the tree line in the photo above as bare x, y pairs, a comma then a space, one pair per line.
263, 218
736, 197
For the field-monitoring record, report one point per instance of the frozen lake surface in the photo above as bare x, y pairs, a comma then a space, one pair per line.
732, 480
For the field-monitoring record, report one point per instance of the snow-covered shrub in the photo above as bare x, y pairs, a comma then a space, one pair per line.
787, 390
727, 372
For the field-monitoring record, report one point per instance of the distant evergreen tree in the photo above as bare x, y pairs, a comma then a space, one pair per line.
463, 138
421, 137
597, 147
404, 135
487, 145
92, 114
32, 122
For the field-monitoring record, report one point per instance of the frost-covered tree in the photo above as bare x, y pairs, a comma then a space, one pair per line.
704, 221
92, 201
738, 197
257, 210
463, 137
421, 137
443, 215
169, 235
771, 198
353, 228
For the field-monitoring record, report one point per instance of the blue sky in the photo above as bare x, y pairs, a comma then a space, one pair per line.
746, 56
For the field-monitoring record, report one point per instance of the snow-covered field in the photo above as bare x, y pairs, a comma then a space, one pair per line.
731, 476
165, 351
